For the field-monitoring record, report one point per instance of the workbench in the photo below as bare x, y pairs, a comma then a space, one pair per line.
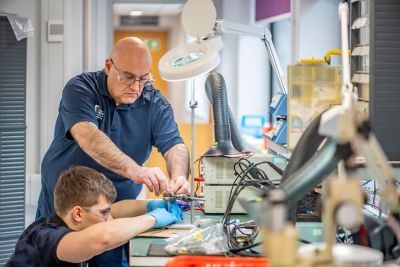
139, 246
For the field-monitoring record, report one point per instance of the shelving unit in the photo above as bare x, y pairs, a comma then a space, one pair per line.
360, 21
375, 66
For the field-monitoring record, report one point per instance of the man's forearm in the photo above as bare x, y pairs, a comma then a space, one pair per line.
128, 208
105, 152
100, 147
177, 159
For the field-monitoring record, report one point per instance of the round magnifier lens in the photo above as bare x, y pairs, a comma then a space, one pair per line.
188, 59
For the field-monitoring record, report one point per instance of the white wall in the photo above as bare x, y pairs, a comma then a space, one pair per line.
318, 28
59, 61
101, 32
235, 11
245, 63
253, 78
282, 40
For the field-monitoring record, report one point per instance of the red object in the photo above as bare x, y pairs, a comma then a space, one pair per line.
363, 240
265, 130
198, 208
199, 179
216, 261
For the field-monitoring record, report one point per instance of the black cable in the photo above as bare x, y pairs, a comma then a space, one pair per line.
259, 179
233, 193
239, 175
197, 188
240, 164
254, 252
232, 241
235, 250
366, 182
374, 195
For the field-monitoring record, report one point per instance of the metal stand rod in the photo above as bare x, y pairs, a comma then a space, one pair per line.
193, 106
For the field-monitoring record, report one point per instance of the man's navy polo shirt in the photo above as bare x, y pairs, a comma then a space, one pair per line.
37, 246
133, 128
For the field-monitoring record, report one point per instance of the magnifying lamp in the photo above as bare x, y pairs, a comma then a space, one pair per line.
190, 60
199, 57
194, 59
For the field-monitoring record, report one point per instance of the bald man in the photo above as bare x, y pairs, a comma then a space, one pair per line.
109, 120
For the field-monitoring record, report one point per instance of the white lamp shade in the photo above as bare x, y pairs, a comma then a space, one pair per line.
198, 18
190, 60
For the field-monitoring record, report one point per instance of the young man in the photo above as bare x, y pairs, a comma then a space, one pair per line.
83, 225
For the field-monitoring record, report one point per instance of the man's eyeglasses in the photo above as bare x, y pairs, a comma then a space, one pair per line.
127, 78
102, 212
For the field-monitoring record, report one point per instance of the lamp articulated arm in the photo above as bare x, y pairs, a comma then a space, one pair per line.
256, 32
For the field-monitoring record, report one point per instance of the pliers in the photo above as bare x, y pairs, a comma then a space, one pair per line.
186, 198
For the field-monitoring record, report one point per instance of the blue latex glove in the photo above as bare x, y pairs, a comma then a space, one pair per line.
174, 208
171, 206
163, 217
156, 204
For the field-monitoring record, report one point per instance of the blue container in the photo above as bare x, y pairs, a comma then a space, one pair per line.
252, 125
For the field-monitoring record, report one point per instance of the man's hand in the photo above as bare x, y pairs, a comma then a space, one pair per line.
179, 185
177, 159
153, 178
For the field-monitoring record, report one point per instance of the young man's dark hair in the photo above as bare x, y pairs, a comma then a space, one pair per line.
83, 225
71, 184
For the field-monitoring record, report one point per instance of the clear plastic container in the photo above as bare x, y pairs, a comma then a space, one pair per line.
313, 88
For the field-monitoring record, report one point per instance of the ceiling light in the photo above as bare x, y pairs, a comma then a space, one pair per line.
136, 13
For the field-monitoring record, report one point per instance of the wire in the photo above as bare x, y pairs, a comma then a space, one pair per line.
241, 176
247, 174
304, 241
197, 188
235, 250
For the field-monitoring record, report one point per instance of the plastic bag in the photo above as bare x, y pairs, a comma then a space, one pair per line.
21, 26
210, 240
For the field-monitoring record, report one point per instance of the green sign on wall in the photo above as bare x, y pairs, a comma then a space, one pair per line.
153, 44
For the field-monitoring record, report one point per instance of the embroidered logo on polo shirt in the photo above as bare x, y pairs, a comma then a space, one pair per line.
99, 112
